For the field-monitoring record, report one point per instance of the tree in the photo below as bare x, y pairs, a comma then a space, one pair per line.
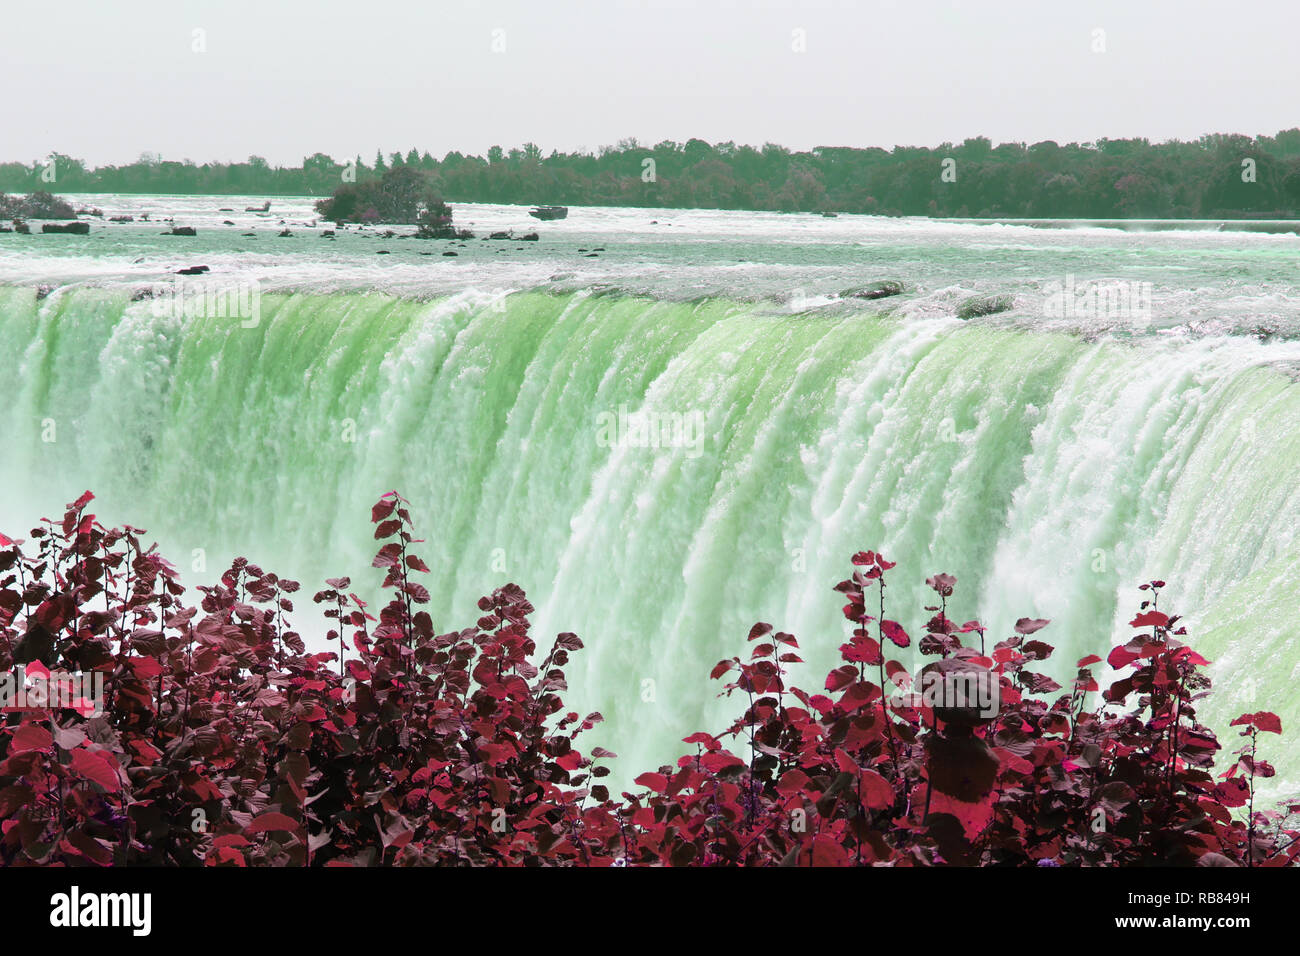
403, 194
1207, 177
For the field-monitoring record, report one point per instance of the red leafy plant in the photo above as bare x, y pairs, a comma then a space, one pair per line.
221, 741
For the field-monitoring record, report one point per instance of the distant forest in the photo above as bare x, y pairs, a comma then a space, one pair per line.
1217, 176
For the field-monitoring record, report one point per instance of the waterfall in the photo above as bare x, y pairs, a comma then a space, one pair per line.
1049, 473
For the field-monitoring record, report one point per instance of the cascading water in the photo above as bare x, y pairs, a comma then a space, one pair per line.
1050, 474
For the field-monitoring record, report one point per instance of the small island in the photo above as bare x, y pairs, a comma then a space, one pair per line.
403, 195
37, 205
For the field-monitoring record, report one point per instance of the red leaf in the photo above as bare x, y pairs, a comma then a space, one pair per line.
877, 794
145, 667
1187, 654
652, 781
826, 851
858, 695
228, 854
1121, 657
713, 762
846, 763
1233, 793
30, 737
570, 761
791, 782
861, 649
894, 631
973, 816
271, 821
1150, 619
841, 677
98, 768
1263, 720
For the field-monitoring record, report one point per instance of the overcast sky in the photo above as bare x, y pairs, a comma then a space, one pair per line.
285, 78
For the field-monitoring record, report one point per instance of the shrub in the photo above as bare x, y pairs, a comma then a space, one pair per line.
222, 741
38, 205
401, 195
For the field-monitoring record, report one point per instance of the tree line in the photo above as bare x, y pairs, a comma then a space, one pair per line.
1217, 175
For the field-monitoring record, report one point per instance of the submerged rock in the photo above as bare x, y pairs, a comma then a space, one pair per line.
181, 231
72, 228
875, 290
980, 305
549, 212
192, 271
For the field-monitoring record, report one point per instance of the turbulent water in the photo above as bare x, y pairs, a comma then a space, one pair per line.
1051, 463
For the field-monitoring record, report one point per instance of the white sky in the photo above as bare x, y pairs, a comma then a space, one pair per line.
104, 81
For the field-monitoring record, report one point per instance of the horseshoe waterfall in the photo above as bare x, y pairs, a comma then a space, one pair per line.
1051, 471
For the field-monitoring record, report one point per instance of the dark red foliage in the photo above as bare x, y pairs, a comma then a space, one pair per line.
223, 742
